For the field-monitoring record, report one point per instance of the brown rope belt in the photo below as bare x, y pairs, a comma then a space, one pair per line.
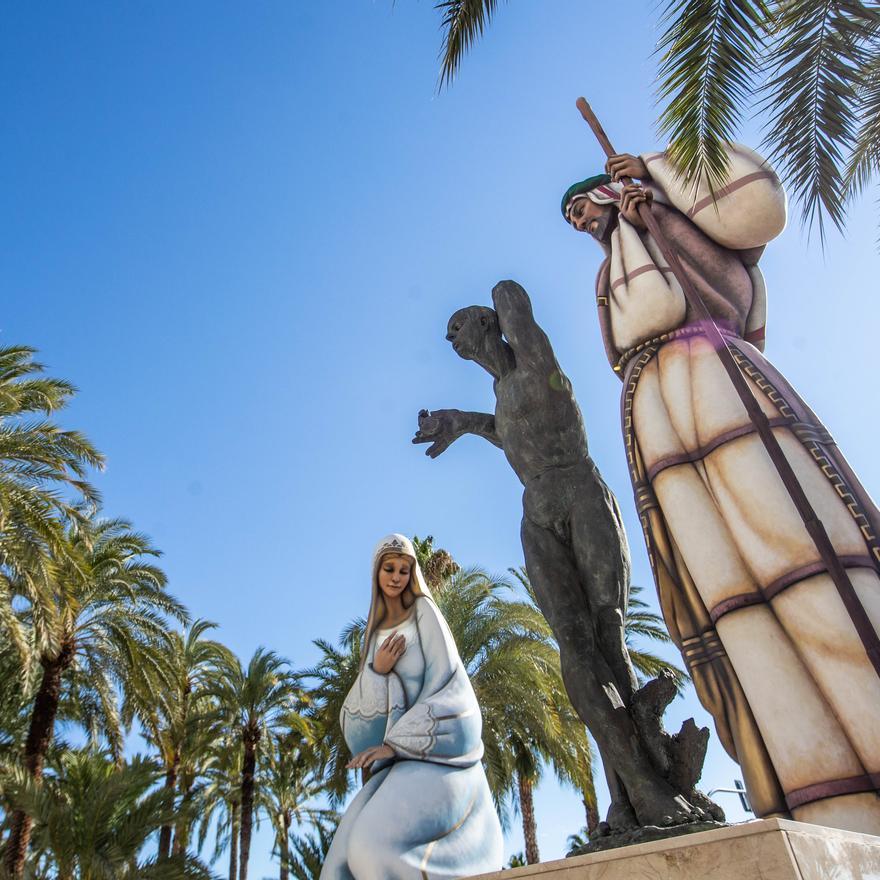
681, 333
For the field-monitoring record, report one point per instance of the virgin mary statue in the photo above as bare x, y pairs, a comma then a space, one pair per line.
426, 810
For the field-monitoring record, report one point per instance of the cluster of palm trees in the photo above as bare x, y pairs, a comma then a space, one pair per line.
97, 656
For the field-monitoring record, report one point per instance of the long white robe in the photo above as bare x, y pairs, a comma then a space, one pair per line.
428, 813
772, 651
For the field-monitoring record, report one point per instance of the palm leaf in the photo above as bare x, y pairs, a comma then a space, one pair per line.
817, 53
710, 52
865, 159
463, 23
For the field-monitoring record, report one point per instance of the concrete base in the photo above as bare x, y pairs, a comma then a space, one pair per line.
767, 849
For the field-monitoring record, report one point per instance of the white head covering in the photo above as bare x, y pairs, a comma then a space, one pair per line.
602, 194
605, 193
392, 545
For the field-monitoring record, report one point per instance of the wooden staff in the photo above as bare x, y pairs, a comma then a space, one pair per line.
816, 530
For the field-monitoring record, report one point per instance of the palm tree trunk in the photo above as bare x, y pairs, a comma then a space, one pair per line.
39, 738
591, 809
181, 835
285, 847
527, 810
248, 769
165, 830
181, 827
233, 839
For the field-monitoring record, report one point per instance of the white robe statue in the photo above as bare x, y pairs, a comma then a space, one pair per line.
428, 812
771, 648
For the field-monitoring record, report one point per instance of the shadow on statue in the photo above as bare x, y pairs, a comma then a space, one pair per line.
577, 559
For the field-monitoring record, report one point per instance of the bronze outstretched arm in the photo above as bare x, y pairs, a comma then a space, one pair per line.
443, 427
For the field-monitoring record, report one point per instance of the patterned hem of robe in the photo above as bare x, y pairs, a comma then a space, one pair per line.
693, 626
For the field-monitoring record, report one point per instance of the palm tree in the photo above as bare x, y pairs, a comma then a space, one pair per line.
436, 564
508, 650
220, 799
93, 818
576, 842
108, 604
257, 701
171, 698
333, 677
290, 785
42, 480
811, 67
309, 851
15, 698
641, 623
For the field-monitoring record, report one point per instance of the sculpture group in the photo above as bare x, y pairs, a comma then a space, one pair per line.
776, 611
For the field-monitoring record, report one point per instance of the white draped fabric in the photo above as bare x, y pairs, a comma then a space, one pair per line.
770, 646
428, 813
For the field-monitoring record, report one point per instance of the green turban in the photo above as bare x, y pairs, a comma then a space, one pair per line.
581, 189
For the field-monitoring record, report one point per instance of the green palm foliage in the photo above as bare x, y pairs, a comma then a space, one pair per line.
810, 69
330, 681
463, 24
15, 698
806, 63
220, 800
708, 54
576, 842
508, 650
310, 850
258, 702
642, 623
107, 607
289, 788
172, 699
864, 162
42, 479
93, 819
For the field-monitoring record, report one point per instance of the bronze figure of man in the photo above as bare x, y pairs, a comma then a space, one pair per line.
573, 539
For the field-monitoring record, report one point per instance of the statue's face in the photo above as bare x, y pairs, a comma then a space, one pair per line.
394, 575
467, 331
598, 220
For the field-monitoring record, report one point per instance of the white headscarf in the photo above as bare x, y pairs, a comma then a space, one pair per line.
392, 545
603, 194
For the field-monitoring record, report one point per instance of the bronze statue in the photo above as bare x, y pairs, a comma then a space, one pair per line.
576, 557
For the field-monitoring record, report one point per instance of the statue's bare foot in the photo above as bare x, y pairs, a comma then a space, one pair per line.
657, 804
621, 816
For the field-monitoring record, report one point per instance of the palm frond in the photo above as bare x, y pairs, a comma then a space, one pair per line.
710, 53
463, 24
817, 55
864, 162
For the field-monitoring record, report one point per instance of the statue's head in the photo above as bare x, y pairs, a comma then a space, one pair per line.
396, 573
474, 333
591, 206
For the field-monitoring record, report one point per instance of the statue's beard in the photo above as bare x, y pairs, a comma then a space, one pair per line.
605, 226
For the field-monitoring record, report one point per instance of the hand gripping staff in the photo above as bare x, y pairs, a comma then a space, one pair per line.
813, 524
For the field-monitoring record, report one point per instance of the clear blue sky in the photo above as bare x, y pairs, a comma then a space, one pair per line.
240, 230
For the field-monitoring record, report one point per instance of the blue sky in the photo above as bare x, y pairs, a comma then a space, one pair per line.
240, 230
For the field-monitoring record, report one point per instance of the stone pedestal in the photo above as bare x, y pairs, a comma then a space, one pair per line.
767, 849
